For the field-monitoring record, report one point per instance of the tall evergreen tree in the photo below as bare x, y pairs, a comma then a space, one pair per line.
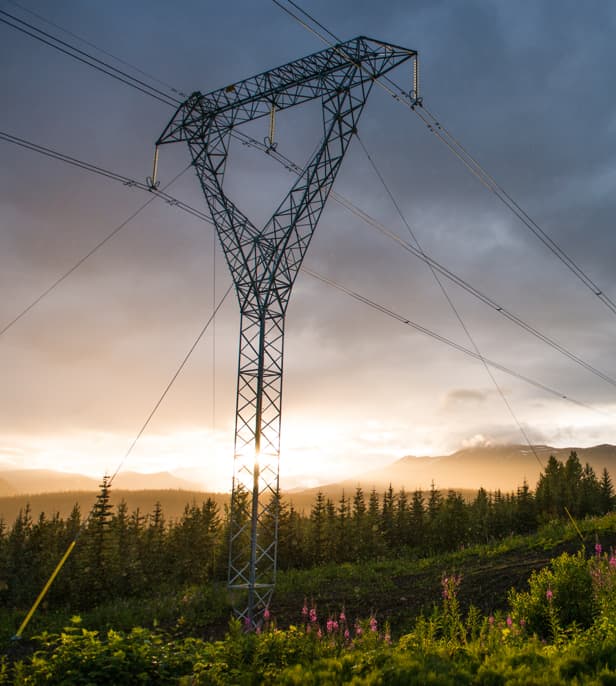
403, 519
550, 492
96, 551
388, 519
359, 540
318, 533
606, 490
589, 497
418, 519
480, 511
573, 473
525, 510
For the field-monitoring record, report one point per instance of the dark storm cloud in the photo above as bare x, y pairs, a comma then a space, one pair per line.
526, 86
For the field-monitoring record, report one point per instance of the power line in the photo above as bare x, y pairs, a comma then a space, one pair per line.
434, 265
106, 239
171, 382
488, 181
84, 57
109, 481
416, 105
340, 199
412, 102
438, 126
292, 167
452, 344
40, 17
95, 169
450, 302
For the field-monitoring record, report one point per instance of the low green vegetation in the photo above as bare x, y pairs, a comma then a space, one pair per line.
562, 630
392, 589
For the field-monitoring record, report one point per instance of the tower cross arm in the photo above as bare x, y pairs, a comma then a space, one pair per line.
291, 84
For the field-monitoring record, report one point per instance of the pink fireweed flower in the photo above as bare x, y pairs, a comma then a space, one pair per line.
612, 561
598, 549
342, 617
319, 633
330, 625
266, 614
305, 609
358, 630
509, 620
247, 622
445, 583
313, 615
373, 624
549, 595
347, 635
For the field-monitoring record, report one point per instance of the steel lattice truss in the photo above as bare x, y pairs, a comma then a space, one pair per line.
264, 263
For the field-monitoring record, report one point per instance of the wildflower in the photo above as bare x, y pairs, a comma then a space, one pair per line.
347, 635
313, 615
266, 614
612, 561
373, 624
330, 625
598, 549
247, 622
305, 609
319, 633
549, 595
342, 617
509, 620
358, 630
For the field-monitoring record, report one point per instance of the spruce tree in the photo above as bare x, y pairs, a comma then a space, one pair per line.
606, 491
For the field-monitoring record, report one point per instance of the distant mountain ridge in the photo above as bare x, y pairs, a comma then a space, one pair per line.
173, 502
503, 467
497, 467
35, 481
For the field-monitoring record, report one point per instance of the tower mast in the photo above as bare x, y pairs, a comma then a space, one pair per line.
264, 263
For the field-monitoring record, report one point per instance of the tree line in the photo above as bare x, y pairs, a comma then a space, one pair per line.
123, 554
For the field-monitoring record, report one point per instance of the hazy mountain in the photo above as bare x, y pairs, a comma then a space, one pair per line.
173, 502
6, 488
32, 481
494, 467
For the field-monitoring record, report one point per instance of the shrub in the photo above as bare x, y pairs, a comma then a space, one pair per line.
559, 597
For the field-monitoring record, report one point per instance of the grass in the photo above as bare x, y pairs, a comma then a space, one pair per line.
395, 590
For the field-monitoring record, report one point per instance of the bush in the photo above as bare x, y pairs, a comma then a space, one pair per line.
559, 597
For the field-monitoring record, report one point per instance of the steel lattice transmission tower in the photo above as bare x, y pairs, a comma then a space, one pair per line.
264, 263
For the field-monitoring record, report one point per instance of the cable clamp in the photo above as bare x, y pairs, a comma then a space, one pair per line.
270, 145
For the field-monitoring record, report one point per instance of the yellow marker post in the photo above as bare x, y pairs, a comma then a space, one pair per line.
43, 593
574, 524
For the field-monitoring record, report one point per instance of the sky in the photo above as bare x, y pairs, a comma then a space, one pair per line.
527, 87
